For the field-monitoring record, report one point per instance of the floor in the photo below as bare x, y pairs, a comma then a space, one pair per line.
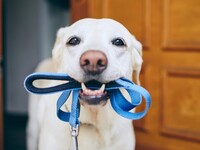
14, 132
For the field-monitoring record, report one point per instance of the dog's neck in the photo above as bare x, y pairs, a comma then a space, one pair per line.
94, 115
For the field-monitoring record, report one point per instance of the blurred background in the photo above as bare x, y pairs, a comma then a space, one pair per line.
169, 31
29, 31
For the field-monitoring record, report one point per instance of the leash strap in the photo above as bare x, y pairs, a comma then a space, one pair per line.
119, 103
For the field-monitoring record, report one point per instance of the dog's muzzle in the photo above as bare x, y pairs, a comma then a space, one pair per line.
93, 64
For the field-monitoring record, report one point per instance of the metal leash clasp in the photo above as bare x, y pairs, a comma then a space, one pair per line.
74, 133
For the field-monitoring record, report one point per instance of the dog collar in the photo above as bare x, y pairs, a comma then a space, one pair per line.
119, 103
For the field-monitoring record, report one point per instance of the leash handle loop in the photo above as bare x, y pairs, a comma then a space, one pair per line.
28, 83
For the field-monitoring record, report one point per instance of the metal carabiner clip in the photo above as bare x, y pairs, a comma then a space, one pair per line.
74, 133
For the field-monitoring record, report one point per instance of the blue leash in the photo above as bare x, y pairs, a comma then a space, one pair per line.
119, 103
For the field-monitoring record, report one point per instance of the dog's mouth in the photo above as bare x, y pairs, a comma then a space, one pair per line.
95, 96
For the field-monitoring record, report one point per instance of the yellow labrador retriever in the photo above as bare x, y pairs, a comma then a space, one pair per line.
90, 49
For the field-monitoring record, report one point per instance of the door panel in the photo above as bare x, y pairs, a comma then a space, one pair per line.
181, 24
170, 33
180, 104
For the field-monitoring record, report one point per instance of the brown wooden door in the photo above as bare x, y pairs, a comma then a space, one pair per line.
170, 33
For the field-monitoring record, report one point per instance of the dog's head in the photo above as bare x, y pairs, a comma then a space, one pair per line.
97, 50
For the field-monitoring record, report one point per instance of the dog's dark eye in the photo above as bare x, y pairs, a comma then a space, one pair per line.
118, 42
74, 41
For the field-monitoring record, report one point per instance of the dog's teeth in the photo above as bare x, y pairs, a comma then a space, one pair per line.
102, 88
83, 87
92, 92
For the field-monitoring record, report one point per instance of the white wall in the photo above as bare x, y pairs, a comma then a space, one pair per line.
30, 27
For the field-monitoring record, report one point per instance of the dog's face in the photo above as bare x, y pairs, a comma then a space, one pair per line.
97, 49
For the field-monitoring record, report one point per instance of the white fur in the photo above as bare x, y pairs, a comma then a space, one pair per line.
101, 128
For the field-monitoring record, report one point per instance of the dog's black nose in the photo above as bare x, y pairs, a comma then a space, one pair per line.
93, 62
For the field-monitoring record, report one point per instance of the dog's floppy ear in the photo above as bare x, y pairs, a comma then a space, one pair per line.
136, 53
58, 46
